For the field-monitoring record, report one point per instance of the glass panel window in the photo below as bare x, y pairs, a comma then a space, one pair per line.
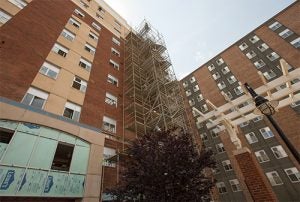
89, 49
49, 70
231, 79
273, 56
220, 148
109, 124
60, 50
204, 137
196, 88
211, 67
243, 46
225, 70
251, 138
113, 80
115, 52
4, 17
5, 137
204, 108
93, 36
74, 22
63, 156
214, 133
79, 13
251, 55
221, 187
185, 84
260, 63
262, 156
192, 102
68, 35
293, 174
242, 125
200, 97
216, 75
79, 84
19, 3
263, 47
107, 154
279, 152
286, 33
228, 96
256, 119
235, 185
96, 26
72, 111
275, 26
266, 132
221, 85
269, 74
111, 99
296, 43
254, 39
35, 98
116, 41
192, 79
238, 90
188, 92
274, 178
114, 64
85, 64
100, 9
227, 165
220, 61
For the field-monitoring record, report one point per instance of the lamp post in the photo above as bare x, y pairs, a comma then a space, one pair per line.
267, 108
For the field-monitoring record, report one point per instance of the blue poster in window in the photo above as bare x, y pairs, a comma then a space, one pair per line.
10, 180
49, 184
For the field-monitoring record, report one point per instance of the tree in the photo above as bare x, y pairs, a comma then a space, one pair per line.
165, 166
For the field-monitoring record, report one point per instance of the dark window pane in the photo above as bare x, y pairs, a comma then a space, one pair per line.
68, 113
27, 99
37, 102
63, 156
5, 135
76, 85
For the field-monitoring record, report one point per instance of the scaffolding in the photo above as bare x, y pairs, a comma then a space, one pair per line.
152, 97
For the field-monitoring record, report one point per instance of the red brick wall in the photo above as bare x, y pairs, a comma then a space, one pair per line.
291, 18
25, 42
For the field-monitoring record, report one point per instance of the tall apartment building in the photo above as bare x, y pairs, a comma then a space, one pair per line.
219, 80
77, 83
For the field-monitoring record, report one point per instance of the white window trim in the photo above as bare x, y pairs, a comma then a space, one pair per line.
116, 41
107, 153
96, 26
275, 26
282, 152
259, 156
111, 122
83, 84
94, 35
249, 139
235, 182
268, 130
4, 17
271, 179
116, 65
243, 46
73, 21
78, 12
19, 3
68, 35
87, 63
109, 76
117, 52
92, 49
295, 172
50, 67
286, 33
111, 99
296, 42
58, 47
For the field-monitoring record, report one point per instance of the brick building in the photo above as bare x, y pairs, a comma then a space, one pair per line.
219, 80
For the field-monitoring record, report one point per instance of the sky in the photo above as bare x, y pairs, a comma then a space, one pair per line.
197, 30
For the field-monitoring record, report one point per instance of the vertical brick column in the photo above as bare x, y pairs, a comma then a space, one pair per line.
255, 180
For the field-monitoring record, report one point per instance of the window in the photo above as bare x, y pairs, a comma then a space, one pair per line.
273, 56
99, 16
188, 92
263, 47
274, 178
114, 64
238, 90
96, 26
200, 97
185, 84
211, 67
19, 3
113, 80
204, 108
89, 48
214, 133
275, 26
225, 70
111, 99
118, 25
93, 36
204, 137
251, 138
269, 75
5, 136
74, 22
79, 84
227, 165
109, 124
251, 55
192, 102
62, 157
220, 148
262, 156
296, 42
115, 52
254, 39
256, 119
228, 95
293, 174
85, 64
35, 98
49, 70
220, 61
68, 35
216, 75
192, 79
295, 104
260, 63
72, 111
60, 50
286, 33
231, 79
195, 113
83, 4
279, 152
4, 17
243, 46
101, 9
235, 185
108, 153
79, 13
196, 88
221, 187
116, 41
221, 85
242, 125
266, 132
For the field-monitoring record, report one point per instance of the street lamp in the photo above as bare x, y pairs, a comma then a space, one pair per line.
267, 108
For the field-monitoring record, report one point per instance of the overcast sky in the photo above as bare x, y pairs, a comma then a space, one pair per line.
197, 30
